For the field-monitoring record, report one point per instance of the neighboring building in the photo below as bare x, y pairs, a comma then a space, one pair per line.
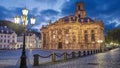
74, 32
31, 40
38, 42
8, 38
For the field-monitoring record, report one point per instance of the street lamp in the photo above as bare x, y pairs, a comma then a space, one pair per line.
24, 17
100, 41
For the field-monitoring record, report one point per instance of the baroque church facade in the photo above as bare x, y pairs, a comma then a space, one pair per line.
74, 32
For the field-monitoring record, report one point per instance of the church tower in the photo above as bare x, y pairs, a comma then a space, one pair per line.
80, 10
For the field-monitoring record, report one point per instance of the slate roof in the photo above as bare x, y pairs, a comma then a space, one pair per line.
6, 30
74, 18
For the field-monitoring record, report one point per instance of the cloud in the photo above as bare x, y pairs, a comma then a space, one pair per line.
3, 12
116, 21
47, 1
45, 10
49, 12
68, 7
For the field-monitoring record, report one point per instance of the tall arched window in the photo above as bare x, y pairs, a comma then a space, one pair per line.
79, 7
44, 39
92, 35
86, 36
79, 15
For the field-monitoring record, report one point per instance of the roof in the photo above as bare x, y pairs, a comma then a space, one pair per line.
30, 33
74, 18
6, 30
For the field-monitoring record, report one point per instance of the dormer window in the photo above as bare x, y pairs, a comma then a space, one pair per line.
2, 31
5, 26
88, 20
82, 20
7, 31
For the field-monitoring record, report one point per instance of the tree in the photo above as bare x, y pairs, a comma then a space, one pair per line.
16, 27
113, 36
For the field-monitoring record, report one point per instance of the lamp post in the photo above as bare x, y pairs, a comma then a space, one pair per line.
23, 63
100, 41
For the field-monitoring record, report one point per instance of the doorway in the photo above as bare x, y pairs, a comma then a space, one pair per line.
60, 45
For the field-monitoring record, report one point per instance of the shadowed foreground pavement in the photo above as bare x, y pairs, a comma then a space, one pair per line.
110, 59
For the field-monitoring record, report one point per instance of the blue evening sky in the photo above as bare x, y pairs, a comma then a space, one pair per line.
45, 10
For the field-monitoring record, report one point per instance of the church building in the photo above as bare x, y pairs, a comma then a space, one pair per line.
74, 32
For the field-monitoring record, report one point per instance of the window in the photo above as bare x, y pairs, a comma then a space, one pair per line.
13, 41
18, 46
5, 36
1, 35
79, 15
8, 41
7, 46
92, 35
8, 36
4, 41
4, 46
92, 31
85, 31
13, 36
79, 7
44, 40
74, 38
0, 40
86, 38
0, 46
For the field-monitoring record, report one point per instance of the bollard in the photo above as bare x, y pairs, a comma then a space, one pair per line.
36, 60
53, 57
88, 53
91, 52
94, 52
73, 54
65, 55
97, 51
84, 53
100, 50
79, 53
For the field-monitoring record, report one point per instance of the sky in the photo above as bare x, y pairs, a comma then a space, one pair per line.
45, 10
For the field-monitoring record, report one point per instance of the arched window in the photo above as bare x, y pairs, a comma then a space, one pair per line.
85, 32
79, 7
86, 38
79, 15
92, 35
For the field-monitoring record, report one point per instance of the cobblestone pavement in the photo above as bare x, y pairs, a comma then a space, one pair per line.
110, 59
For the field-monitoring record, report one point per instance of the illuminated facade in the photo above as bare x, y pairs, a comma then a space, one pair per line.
8, 38
74, 32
